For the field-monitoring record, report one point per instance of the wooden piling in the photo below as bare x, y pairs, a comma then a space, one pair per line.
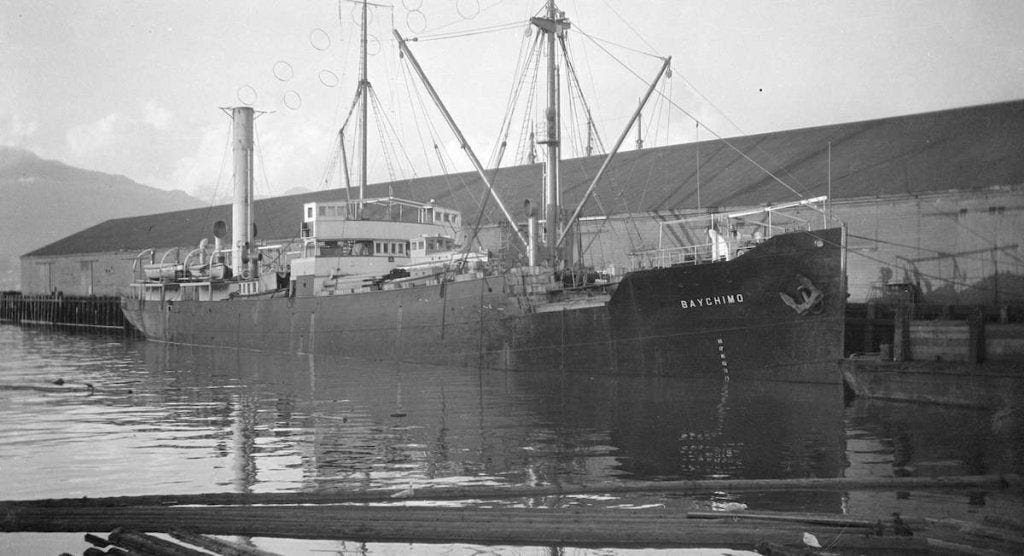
976, 336
869, 329
79, 312
901, 335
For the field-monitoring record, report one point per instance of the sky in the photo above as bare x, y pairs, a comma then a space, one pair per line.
135, 87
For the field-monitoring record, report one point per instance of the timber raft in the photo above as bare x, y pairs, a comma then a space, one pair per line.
375, 516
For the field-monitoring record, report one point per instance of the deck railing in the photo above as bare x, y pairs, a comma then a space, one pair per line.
660, 258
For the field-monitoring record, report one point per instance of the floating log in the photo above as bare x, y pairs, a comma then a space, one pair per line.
486, 526
1005, 522
142, 543
992, 482
959, 548
980, 530
815, 519
217, 546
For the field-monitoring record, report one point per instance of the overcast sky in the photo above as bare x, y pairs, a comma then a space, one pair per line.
133, 87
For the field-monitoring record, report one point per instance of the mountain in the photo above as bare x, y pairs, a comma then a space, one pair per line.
42, 201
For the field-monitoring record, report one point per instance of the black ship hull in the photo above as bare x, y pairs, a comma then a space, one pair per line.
775, 313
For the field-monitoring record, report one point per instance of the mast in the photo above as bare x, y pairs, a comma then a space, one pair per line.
364, 84
553, 25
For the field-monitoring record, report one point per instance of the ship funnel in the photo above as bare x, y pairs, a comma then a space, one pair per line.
241, 207
220, 231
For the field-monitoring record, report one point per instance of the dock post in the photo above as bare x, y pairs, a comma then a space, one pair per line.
901, 333
869, 329
976, 337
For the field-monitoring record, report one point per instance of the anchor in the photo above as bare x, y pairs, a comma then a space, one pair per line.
810, 296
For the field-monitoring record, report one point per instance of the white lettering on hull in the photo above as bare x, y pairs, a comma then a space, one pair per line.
711, 301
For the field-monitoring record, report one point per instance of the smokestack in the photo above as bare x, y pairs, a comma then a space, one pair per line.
241, 207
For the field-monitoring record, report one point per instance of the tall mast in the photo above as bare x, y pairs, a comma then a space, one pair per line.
364, 84
553, 25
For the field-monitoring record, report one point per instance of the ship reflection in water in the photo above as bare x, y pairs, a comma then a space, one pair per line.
163, 419
274, 421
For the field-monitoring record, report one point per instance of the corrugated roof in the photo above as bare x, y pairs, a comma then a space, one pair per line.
969, 148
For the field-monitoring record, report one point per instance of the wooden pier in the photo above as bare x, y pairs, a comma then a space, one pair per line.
86, 312
957, 355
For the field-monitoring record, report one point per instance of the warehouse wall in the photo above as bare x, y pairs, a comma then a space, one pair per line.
959, 247
78, 274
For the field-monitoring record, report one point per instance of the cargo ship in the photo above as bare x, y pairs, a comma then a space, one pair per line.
395, 279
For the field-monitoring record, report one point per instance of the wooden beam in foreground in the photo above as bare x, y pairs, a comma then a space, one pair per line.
486, 526
979, 482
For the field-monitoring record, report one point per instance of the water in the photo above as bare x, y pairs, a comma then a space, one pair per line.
162, 419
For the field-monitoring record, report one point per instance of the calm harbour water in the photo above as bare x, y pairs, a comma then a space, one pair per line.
163, 419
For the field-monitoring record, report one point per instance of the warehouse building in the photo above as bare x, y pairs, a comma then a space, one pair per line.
932, 202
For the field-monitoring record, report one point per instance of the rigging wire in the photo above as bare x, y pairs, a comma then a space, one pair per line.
389, 127
457, 21
981, 254
739, 129
435, 137
386, 147
523, 61
332, 165
694, 118
573, 129
525, 145
574, 80
468, 33
263, 164
598, 41
223, 163
919, 274
411, 93
630, 27
220, 172
668, 117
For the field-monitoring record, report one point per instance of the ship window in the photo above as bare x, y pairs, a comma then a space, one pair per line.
376, 248
309, 212
323, 211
